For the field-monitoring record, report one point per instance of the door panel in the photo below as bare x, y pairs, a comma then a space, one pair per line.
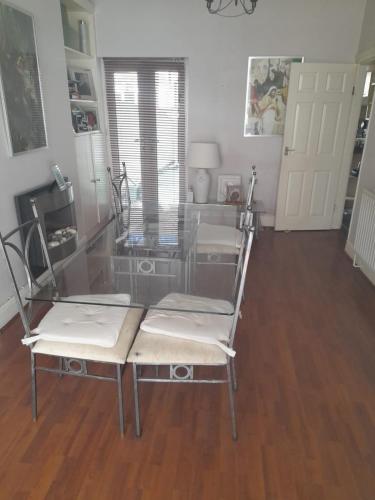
86, 186
319, 104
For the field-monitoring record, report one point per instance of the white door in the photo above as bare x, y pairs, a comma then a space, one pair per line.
319, 103
100, 175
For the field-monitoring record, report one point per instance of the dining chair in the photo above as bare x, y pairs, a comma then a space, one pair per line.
220, 239
162, 341
118, 183
109, 323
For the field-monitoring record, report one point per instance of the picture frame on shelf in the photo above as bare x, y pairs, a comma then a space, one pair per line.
234, 194
81, 84
224, 182
20, 87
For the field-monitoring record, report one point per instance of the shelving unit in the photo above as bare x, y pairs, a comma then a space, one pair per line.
89, 141
85, 112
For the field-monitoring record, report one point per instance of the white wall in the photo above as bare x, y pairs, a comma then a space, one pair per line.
29, 170
218, 49
367, 40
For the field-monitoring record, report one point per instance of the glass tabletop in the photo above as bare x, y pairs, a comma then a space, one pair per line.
177, 257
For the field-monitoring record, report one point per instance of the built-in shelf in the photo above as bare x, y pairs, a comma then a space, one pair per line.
73, 53
83, 101
90, 132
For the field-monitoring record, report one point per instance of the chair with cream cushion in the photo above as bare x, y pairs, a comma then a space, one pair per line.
219, 239
75, 330
185, 340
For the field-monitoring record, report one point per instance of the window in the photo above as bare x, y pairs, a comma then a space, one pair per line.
146, 111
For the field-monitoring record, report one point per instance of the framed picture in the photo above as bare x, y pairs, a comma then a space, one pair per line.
225, 184
267, 94
20, 87
81, 80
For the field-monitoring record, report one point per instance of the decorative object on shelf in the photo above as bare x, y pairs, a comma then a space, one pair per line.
223, 183
218, 7
84, 82
73, 90
83, 36
84, 119
203, 155
59, 178
234, 194
79, 119
190, 195
20, 83
266, 94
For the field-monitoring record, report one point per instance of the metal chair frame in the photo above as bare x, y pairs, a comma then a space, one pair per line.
230, 378
65, 364
117, 183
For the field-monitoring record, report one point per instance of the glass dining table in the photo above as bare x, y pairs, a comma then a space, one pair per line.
150, 252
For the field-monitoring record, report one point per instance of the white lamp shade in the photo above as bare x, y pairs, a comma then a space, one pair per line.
204, 155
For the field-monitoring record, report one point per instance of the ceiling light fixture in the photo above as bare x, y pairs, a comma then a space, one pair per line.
218, 6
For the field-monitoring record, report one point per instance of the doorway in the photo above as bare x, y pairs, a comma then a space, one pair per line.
360, 140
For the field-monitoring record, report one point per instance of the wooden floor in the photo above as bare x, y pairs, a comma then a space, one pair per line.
305, 403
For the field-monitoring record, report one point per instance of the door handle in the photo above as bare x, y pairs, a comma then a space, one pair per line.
288, 150
95, 180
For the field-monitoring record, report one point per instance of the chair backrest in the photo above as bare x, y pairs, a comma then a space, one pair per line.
117, 184
250, 192
8, 247
240, 279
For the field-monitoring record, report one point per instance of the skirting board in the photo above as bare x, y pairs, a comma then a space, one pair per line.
369, 273
267, 220
9, 309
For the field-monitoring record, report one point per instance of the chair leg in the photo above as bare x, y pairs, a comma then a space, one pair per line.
61, 366
120, 400
136, 402
231, 403
34, 405
234, 374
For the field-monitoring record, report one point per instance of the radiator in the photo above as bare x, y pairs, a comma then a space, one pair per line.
364, 244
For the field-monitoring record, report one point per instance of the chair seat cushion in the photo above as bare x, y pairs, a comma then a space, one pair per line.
150, 349
83, 323
218, 234
198, 327
217, 249
116, 354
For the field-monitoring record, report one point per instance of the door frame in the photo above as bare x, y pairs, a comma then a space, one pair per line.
347, 155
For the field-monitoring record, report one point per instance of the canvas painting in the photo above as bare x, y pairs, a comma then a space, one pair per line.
20, 84
267, 94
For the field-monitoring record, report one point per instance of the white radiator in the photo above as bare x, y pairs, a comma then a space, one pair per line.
364, 244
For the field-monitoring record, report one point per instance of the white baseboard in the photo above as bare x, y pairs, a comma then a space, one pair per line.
267, 220
9, 309
369, 273
349, 249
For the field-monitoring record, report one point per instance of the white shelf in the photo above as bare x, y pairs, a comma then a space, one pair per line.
83, 101
73, 53
90, 132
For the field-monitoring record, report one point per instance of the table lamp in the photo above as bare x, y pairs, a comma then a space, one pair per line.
203, 155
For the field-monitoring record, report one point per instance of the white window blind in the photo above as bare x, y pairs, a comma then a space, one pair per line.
146, 112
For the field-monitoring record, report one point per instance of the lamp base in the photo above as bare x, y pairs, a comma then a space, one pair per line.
201, 186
